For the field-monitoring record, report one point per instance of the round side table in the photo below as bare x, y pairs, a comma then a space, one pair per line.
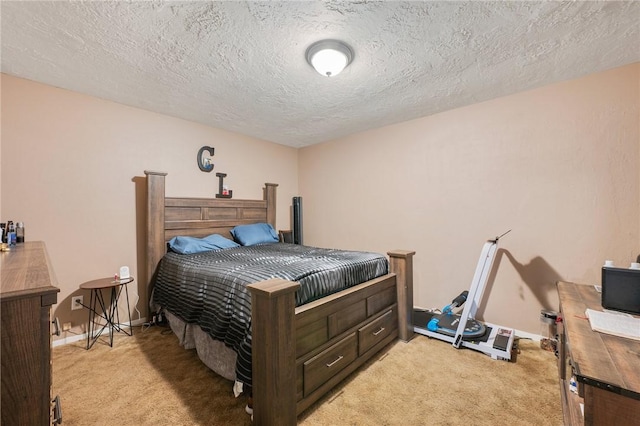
108, 311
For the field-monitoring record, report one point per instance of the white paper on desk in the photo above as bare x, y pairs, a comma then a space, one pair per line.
612, 312
617, 325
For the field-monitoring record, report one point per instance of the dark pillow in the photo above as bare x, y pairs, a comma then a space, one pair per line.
257, 233
189, 245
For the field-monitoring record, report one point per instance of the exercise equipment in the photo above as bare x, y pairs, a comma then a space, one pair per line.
463, 330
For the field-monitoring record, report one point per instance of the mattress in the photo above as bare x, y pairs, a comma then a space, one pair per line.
209, 289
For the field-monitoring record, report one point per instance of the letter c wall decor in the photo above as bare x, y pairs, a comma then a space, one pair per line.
205, 164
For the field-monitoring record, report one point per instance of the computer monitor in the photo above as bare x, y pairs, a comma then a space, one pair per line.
621, 289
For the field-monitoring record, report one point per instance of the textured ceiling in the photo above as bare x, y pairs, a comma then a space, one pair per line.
241, 66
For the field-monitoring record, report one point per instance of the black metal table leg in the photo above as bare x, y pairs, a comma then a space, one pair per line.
110, 314
96, 298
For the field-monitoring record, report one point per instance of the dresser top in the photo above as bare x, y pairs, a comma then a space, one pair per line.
26, 270
611, 361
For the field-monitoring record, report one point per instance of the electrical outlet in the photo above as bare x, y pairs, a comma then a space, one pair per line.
76, 302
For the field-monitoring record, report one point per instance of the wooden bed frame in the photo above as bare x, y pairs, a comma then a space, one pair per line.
298, 354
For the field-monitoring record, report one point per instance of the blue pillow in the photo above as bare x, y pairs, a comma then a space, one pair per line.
189, 245
257, 233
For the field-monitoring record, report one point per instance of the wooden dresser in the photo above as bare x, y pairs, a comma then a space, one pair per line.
27, 291
606, 367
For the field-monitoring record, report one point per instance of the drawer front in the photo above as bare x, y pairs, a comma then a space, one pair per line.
379, 301
341, 321
328, 363
26, 362
311, 336
299, 382
377, 330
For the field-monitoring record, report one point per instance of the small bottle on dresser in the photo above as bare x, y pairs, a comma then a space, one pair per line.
11, 233
20, 232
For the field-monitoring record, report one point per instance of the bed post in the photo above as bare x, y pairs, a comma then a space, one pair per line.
270, 198
402, 265
273, 347
155, 222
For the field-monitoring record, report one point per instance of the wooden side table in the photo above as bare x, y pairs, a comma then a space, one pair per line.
108, 311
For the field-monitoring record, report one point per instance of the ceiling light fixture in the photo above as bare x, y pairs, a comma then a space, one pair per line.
329, 57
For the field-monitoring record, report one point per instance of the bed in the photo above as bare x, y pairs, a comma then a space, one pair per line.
298, 352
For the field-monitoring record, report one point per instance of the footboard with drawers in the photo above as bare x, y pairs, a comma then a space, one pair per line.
312, 348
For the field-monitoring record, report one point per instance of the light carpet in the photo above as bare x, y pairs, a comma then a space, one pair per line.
148, 379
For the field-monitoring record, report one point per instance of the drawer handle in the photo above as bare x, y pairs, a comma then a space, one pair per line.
56, 327
331, 364
375, 333
57, 410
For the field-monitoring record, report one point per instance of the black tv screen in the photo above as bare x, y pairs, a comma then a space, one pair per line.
621, 289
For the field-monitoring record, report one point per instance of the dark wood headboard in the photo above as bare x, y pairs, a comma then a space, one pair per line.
168, 217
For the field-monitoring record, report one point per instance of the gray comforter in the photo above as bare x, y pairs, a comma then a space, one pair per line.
209, 289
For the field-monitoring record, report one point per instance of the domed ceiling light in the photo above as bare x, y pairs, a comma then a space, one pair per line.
329, 57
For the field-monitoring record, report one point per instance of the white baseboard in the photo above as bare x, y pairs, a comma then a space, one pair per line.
519, 333
77, 337
526, 335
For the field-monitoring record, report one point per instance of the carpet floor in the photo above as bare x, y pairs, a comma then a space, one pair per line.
148, 379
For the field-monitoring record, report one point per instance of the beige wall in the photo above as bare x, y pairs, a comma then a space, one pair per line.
558, 165
71, 164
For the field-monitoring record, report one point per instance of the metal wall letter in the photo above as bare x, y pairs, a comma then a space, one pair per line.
205, 164
222, 192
